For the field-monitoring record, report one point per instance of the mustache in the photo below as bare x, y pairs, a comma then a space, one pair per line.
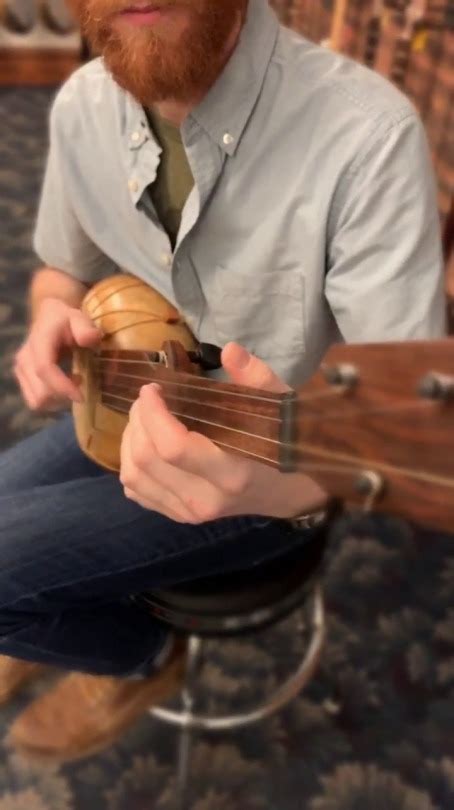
99, 10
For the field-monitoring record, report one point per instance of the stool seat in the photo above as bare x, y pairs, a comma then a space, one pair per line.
236, 602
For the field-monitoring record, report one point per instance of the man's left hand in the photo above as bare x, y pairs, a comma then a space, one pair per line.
169, 469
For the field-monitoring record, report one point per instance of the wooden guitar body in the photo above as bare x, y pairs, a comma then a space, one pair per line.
132, 316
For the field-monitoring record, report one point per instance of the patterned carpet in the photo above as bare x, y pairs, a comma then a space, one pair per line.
375, 730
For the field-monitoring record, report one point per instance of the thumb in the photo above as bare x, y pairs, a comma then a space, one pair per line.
244, 368
83, 330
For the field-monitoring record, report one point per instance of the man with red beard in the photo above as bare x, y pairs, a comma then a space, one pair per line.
281, 197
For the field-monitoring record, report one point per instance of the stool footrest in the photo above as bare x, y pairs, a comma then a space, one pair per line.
287, 692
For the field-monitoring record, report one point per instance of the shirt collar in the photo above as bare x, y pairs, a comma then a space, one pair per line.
136, 130
227, 107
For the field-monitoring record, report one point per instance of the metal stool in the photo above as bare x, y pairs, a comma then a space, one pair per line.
233, 605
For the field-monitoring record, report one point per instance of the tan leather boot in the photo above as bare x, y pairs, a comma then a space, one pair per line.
14, 674
85, 713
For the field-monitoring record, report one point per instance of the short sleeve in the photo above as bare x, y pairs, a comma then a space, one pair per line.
385, 269
59, 239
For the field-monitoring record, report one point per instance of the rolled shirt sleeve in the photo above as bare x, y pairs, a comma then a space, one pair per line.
385, 268
59, 239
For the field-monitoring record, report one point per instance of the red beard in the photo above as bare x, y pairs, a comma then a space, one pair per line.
151, 68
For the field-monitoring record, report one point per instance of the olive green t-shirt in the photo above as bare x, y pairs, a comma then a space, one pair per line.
174, 179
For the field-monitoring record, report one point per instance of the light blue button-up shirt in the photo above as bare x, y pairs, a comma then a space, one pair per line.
312, 218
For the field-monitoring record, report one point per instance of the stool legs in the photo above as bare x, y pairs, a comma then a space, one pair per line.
193, 661
286, 692
189, 721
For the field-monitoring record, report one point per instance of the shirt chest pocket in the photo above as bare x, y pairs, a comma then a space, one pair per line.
263, 312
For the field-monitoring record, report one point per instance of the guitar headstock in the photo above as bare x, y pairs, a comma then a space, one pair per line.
376, 427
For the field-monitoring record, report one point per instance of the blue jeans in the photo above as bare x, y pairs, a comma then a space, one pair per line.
73, 549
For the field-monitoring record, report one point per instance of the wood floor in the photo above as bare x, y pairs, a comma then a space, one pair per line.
36, 67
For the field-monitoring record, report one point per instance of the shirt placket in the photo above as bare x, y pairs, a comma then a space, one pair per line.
206, 161
144, 158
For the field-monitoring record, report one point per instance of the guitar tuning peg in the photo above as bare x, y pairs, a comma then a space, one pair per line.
343, 374
438, 387
207, 356
371, 485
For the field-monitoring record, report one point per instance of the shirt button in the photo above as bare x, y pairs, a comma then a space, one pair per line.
166, 259
135, 137
133, 185
228, 139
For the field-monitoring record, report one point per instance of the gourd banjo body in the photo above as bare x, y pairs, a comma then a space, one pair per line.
132, 316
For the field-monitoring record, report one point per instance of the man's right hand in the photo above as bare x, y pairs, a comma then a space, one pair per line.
57, 328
